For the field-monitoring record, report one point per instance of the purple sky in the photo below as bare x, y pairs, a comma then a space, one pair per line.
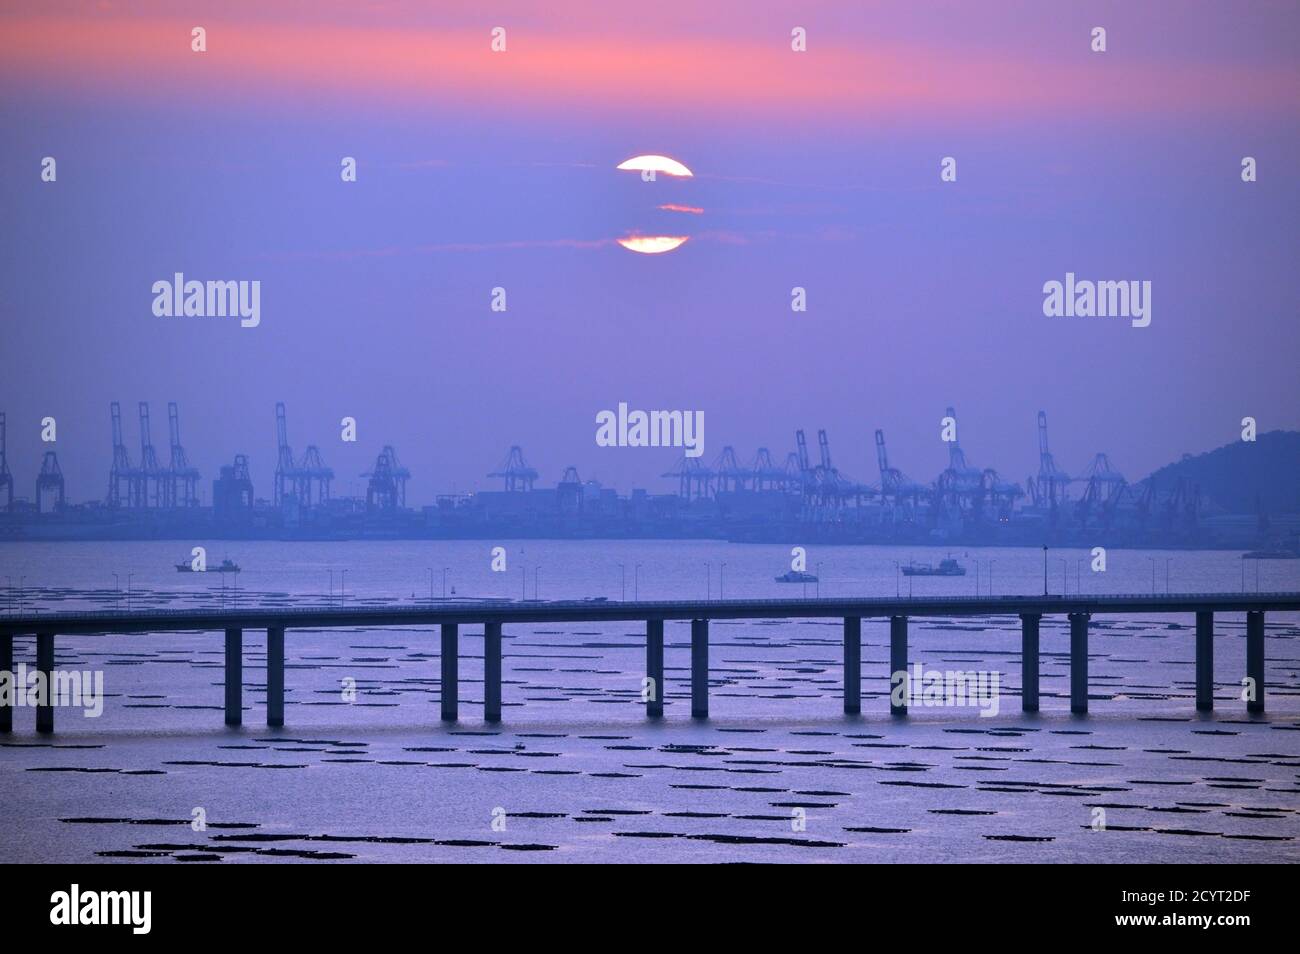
477, 170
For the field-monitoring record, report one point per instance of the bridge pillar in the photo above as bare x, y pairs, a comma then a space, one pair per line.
7, 665
654, 668
450, 665
45, 665
898, 664
1079, 663
275, 676
234, 676
852, 665
1255, 658
1204, 662
699, 669
1029, 661
492, 672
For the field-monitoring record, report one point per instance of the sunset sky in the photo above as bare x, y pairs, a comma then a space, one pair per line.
481, 169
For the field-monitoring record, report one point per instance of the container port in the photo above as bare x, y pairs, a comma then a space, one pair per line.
732, 497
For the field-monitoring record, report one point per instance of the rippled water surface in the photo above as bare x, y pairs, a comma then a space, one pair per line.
575, 772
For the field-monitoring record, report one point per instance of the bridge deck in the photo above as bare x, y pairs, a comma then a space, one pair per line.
494, 614
432, 613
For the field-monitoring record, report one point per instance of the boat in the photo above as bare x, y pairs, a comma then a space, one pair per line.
225, 566
1272, 555
796, 576
948, 567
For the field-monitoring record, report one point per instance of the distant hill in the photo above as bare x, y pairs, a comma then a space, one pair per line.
1242, 477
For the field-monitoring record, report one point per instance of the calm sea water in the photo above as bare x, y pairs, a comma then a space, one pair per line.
576, 773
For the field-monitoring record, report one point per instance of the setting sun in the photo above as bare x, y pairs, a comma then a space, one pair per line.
652, 244
669, 167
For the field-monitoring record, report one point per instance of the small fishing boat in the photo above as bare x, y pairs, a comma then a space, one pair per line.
948, 567
796, 576
225, 566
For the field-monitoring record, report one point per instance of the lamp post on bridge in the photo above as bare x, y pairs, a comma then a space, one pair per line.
1044, 569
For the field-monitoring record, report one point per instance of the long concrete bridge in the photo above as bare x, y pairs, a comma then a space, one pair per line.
492, 615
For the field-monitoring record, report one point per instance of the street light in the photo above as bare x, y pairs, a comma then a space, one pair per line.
991, 577
343, 589
1065, 577
708, 571
721, 567
1153, 575
1044, 569
897, 580
430, 569
817, 589
623, 576
636, 582
444, 582
1168, 560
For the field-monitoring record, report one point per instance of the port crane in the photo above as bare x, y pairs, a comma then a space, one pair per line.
6, 478
182, 479
515, 471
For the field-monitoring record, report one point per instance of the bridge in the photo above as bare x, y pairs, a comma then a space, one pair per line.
45, 627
